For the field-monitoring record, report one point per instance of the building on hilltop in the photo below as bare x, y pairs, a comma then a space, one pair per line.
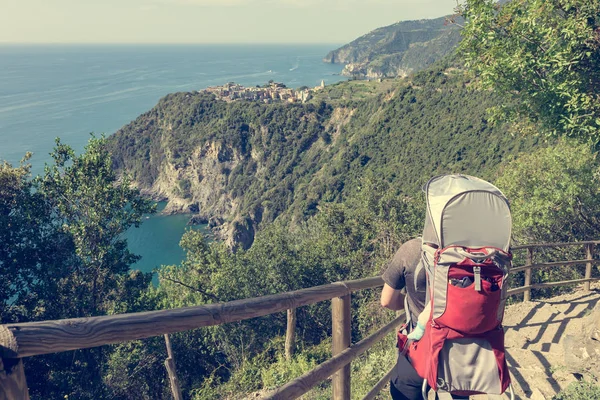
271, 92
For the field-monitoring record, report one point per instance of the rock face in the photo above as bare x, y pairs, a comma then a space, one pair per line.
398, 49
201, 182
201, 187
582, 351
225, 163
242, 234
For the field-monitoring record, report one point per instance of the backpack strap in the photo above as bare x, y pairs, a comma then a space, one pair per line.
407, 312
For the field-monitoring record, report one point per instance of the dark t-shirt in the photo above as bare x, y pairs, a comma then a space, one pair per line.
400, 273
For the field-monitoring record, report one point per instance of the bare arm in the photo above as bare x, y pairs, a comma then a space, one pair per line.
392, 298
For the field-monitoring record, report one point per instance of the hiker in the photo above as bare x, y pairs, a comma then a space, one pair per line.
453, 340
403, 273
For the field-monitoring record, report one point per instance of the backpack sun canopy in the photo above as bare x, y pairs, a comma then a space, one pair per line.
463, 210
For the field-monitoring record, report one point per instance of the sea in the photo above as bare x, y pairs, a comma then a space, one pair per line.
70, 91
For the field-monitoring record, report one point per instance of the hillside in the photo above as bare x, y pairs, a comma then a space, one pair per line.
398, 49
242, 164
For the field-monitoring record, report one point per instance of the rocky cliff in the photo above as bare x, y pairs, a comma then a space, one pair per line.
398, 49
232, 165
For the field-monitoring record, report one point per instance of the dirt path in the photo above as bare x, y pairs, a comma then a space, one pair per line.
534, 341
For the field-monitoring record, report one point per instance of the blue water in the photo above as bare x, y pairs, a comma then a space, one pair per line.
69, 91
157, 240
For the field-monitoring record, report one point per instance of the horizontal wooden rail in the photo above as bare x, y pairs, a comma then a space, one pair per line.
527, 246
553, 264
303, 384
522, 289
35, 338
379, 385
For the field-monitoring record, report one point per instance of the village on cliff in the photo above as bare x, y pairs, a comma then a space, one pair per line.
272, 92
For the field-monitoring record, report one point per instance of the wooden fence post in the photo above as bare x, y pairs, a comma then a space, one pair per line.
341, 331
170, 365
290, 334
527, 293
13, 385
589, 255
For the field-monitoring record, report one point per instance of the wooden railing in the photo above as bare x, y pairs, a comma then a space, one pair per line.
589, 261
36, 338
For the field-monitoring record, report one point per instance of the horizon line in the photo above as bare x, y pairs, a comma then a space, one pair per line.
161, 43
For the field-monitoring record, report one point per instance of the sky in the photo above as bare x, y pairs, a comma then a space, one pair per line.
205, 21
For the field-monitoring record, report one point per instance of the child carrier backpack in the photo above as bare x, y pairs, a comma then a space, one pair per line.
467, 259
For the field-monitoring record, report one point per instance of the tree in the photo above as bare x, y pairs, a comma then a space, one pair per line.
553, 194
554, 198
30, 246
94, 209
18, 236
84, 268
545, 54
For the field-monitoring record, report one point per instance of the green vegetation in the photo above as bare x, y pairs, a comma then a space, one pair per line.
543, 54
63, 256
582, 390
554, 198
554, 194
343, 241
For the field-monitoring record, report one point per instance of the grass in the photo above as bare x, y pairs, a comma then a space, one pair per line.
582, 390
355, 90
